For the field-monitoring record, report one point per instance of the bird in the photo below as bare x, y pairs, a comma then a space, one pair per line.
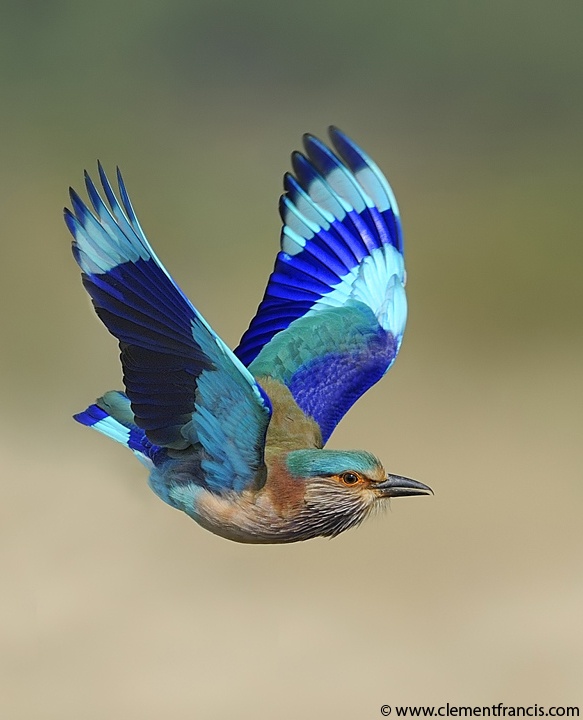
235, 439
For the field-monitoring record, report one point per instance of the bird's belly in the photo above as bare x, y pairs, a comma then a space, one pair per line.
246, 518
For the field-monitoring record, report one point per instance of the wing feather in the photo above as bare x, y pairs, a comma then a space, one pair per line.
334, 311
187, 390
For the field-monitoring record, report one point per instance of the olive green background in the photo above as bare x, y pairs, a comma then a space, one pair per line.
113, 605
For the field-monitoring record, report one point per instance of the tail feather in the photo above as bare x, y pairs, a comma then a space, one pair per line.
112, 416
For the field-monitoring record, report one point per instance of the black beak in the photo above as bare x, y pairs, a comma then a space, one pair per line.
397, 486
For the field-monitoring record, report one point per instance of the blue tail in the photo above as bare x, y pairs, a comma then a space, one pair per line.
121, 428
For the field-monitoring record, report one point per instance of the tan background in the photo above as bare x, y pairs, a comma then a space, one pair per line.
113, 605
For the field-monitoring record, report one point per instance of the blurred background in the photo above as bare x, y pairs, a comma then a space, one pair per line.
113, 605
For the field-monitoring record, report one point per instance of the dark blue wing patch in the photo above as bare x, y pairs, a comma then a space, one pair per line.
142, 307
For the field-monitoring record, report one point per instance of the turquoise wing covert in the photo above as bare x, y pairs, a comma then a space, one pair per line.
333, 315
187, 390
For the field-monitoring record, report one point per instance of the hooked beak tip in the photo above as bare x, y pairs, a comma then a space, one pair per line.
398, 486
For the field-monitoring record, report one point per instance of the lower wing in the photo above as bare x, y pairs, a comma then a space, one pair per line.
186, 388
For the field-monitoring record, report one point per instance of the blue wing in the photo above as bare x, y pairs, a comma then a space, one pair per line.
333, 315
187, 389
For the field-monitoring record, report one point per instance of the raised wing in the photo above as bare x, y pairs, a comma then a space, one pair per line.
334, 311
185, 386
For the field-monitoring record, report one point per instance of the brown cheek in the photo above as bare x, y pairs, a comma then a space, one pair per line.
286, 493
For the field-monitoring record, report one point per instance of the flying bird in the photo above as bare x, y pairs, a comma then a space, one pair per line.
235, 439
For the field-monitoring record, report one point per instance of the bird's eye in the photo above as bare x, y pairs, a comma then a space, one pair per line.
349, 478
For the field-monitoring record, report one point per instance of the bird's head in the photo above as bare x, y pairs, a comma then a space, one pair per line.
342, 487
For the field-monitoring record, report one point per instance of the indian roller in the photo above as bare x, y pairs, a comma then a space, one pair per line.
235, 439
